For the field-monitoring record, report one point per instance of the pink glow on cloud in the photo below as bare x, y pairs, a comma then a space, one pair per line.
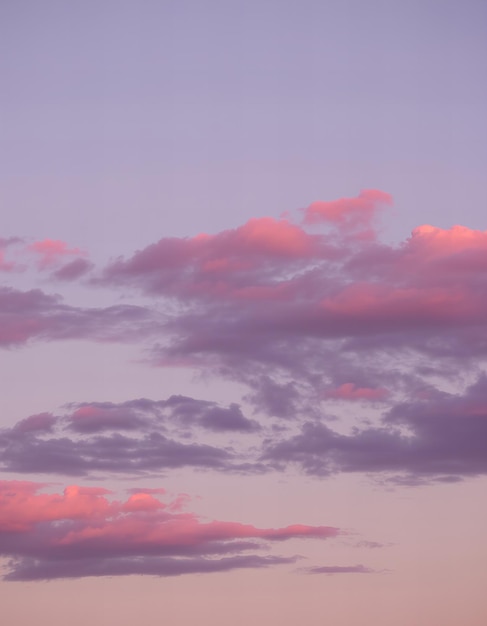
82, 521
444, 242
349, 391
274, 237
5, 266
142, 502
264, 236
367, 301
22, 508
41, 422
445, 254
349, 213
50, 251
222, 265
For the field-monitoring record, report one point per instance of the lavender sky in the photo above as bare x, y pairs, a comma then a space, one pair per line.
242, 312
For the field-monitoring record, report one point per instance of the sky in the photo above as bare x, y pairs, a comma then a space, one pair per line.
243, 348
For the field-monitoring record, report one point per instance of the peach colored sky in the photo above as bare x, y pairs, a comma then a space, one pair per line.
242, 313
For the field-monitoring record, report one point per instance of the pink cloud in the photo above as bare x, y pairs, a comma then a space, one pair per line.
233, 263
42, 422
21, 508
431, 241
349, 391
399, 305
82, 523
273, 237
349, 213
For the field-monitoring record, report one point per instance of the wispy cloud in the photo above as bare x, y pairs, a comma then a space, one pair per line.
35, 315
338, 569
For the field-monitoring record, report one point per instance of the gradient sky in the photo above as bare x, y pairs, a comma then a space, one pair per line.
242, 312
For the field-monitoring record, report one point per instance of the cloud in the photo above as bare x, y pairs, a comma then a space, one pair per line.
308, 322
40, 423
348, 214
231, 264
349, 391
6, 242
136, 436
51, 251
425, 295
231, 419
338, 569
29, 315
440, 437
82, 532
73, 270
32, 570
270, 293
273, 398
434, 437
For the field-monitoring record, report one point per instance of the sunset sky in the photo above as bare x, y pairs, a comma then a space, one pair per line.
243, 305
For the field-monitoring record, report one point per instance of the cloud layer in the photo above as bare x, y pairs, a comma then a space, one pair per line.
138, 436
356, 356
35, 315
436, 436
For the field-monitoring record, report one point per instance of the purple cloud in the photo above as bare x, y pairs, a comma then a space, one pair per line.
73, 270
339, 569
135, 436
34, 315
442, 437
26, 569
438, 436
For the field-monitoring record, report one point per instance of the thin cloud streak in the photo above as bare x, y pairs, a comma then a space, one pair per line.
34, 315
338, 569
